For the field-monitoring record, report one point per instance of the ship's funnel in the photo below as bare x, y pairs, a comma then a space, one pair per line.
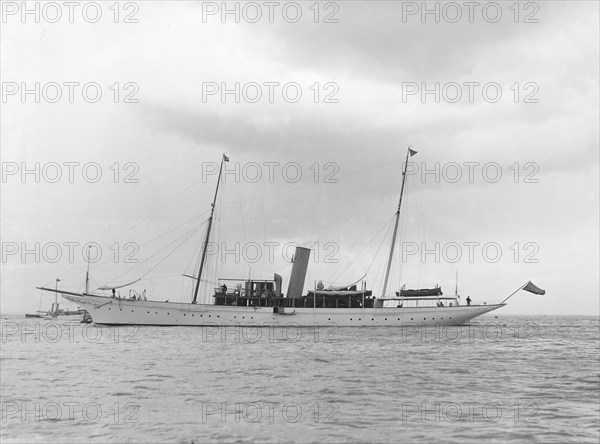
277, 285
300, 261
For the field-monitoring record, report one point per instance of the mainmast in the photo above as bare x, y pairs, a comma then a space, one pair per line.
410, 153
210, 220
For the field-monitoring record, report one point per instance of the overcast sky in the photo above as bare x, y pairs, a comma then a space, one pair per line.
528, 109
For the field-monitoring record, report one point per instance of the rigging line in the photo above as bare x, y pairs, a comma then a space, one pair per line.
382, 260
311, 184
377, 253
242, 219
394, 178
262, 205
189, 233
111, 259
131, 228
195, 227
195, 255
387, 224
373, 211
402, 237
213, 268
151, 283
191, 230
166, 276
165, 258
266, 196
169, 254
399, 159
158, 209
75, 266
176, 228
382, 241
224, 234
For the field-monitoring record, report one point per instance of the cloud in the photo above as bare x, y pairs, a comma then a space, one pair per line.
366, 59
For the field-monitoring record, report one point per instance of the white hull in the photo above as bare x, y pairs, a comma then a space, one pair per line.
111, 311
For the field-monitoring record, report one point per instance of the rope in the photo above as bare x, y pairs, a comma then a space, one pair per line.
388, 225
266, 196
184, 237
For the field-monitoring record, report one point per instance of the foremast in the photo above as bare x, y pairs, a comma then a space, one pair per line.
210, 220
409, 153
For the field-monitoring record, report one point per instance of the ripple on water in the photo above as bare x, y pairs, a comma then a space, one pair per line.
363, 385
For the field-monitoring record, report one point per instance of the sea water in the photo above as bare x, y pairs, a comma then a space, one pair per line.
502, 379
